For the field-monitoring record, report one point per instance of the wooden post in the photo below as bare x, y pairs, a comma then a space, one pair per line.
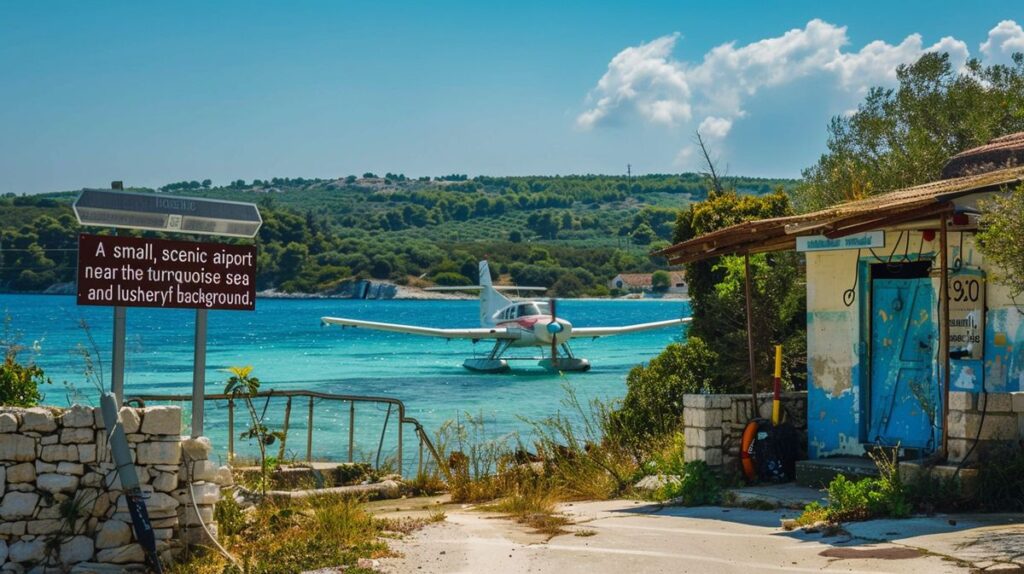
309, 432
351, 429
750, 336
284, 431
231, 431
944, 328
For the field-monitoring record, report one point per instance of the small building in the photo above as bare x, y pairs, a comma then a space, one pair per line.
905, 329
643, 282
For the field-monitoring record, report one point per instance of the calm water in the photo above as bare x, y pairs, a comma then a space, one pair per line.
288, 349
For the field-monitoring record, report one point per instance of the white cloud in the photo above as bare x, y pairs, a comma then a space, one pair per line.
648, 82
1003, 41
715, 127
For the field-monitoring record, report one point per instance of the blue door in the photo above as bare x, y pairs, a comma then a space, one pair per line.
905, 400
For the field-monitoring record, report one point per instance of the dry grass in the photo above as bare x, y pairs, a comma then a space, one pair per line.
293, 536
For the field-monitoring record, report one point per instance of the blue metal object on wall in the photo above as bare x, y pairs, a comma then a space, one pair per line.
905, 400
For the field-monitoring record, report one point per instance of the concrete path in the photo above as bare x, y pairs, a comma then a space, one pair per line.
627, 537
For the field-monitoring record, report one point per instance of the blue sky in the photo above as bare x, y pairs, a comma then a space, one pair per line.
151, 93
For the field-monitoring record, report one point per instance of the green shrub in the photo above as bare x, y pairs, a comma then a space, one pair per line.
653, 406
698, 485
885, 496
19, 384
1001, 484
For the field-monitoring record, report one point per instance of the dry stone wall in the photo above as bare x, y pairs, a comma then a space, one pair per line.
62, 506
713, 424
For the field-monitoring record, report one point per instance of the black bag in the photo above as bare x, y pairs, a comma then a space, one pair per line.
774, 451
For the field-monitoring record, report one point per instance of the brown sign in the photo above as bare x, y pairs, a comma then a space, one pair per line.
143, 272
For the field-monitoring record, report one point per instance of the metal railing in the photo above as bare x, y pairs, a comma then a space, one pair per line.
313, 398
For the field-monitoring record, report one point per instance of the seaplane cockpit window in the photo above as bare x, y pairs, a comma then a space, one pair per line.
528, 309
544, 308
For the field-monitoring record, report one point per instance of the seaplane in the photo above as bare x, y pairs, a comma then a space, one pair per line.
513, 324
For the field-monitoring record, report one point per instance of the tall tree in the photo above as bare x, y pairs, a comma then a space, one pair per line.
902, 136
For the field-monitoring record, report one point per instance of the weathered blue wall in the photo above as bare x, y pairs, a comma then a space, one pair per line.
837, 340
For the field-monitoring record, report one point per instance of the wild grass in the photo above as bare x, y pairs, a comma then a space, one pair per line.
291, 536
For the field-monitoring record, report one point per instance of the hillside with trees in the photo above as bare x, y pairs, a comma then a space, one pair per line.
570, 233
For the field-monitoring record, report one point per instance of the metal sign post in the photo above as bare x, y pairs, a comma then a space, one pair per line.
117, 355
199, 374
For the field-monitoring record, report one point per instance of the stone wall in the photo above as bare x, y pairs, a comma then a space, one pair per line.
713, 424
1003, 424
62, 504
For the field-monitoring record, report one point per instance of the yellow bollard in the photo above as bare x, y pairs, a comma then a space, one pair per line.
777, 390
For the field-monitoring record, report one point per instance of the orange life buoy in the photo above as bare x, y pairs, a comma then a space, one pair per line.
745, 450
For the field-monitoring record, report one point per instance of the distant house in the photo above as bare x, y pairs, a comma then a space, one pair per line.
642, 283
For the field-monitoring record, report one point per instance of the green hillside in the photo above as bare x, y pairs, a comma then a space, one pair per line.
571, 233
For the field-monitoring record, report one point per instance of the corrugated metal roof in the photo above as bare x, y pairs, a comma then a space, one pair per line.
873, 212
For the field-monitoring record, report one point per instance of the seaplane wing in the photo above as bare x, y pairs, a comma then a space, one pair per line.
607, 331
474, 333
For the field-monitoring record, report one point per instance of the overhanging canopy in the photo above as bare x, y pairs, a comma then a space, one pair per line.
879, 211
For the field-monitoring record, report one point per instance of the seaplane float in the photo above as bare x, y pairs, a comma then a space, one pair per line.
513, 324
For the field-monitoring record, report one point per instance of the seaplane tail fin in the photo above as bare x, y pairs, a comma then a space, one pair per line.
491, 301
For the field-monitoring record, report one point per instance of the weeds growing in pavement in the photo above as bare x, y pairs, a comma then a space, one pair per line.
292, 536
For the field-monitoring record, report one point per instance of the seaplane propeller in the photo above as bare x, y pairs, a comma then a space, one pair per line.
554, 328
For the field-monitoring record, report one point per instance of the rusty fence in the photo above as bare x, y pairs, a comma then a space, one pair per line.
309, 399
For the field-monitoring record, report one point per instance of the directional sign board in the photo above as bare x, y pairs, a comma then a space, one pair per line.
165, 212
145, 272
858, 241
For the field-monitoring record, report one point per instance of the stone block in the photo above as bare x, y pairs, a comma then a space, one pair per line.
162, 420
995, 403
3, 482
122, 554
198, 448
164, 481
57, 483
713, 456
8, 422
702, 418
77, 416
1017, 401
206, 493
130, 420
3, 551
17, 448
48, 439
703, 437
962, 401
77, 549
60, 452
77, 435
158, 453
43, 527
37, 419
27, 550
12, 528
72, 468
87, 453
113, 534
202, 470
188, 517
18, 505
1001, 427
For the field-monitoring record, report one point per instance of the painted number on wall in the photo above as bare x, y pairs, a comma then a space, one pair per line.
965, 290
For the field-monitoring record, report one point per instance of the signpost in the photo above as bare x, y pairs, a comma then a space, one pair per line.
145, 272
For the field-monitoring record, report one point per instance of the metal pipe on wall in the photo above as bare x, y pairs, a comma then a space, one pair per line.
944, 328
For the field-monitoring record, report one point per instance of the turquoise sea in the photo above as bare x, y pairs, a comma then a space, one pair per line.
288, 349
